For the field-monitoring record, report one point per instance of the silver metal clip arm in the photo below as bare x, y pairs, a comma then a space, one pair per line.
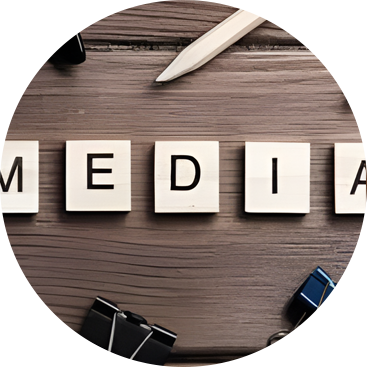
139, 347
112, 336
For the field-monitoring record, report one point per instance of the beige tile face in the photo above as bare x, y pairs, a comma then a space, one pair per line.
277, 177
350, 178
19, 170
98, 175
186, 177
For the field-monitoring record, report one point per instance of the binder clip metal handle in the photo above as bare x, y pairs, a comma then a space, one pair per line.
131, 317
156, 332
126, 333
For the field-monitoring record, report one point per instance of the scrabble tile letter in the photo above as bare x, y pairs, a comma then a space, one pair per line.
186, 176
277, 177
98, 175
350, 178
19, 177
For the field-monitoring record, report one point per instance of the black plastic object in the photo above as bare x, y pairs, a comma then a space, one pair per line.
89, 355
127, 334
72, 52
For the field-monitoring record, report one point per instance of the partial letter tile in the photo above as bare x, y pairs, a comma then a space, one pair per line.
19, 177
350, 178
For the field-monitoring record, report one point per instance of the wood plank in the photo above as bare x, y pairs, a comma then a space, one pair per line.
179, 22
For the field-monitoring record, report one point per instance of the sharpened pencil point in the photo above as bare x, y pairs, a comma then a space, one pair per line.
160, 79
164, 77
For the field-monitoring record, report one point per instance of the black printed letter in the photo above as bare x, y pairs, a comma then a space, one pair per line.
275, 175
92, 170
174, 158
358, 180
18, 162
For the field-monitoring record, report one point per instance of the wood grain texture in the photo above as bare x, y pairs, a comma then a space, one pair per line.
175, 23
218, 280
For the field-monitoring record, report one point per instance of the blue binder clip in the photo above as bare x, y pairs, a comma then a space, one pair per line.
302, 306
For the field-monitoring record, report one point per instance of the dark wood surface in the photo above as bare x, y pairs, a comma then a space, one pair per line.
220, 281
175, 23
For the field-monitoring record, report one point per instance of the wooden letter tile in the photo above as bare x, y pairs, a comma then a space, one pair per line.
98, 175
277, 177
350, 178
186, 177
19, 177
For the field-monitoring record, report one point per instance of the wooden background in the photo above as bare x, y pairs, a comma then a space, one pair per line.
220, 281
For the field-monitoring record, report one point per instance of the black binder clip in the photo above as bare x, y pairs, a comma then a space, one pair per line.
72, 52
127, 334
306, 300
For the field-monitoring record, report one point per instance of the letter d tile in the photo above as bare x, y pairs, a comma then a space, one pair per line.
186, 177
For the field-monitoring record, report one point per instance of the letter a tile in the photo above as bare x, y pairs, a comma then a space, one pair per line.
350, 178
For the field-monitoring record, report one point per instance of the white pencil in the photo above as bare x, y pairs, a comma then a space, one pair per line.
211, 44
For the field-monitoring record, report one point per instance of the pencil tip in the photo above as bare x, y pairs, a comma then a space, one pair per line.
166, 75
161, 78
